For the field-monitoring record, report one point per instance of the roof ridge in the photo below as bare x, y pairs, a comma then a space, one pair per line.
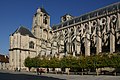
24, 31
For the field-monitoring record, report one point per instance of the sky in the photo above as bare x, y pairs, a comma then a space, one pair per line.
15, 13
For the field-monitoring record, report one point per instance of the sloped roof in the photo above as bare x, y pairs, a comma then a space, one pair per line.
4, 58
24, 31
44, 11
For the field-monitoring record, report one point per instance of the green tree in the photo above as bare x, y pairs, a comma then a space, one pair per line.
66, 62
28, 63
44, 62
54, 63
69, 62
36, 62
115, 61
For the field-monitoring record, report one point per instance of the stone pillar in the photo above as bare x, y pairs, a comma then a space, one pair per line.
75, 42
118, 21
20, 65
14, 62
99, 40
68, 41
22, 56
108, 24
73, 49
87, 45
18, 40
87, 40
10, 60
11, 42
118, 27
15, 41
17, 59
112, 39
78, 44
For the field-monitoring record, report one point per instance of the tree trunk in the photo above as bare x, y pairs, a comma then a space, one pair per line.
97, 71
68, 71
29, 69
82, 72
115, 73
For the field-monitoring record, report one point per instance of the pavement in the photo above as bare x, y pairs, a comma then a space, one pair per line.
11, 75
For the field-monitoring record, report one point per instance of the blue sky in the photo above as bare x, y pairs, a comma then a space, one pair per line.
14, 13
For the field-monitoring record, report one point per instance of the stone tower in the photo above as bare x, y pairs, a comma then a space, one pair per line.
42, 31
41, 24
24, 43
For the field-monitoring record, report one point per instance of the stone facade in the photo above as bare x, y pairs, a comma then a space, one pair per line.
90, 34
24, 43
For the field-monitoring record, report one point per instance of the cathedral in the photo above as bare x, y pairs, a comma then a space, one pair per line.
96, 32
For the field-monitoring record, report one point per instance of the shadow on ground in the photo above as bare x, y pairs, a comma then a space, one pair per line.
9, 76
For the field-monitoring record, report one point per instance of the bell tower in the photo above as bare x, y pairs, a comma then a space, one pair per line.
41, 22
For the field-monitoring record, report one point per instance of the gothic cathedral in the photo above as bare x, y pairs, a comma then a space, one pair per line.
93, 33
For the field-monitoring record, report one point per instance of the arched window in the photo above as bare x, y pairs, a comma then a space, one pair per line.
31, 44
45, 19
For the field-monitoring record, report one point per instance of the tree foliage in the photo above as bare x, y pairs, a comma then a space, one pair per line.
89, 62
69, 62
28, 63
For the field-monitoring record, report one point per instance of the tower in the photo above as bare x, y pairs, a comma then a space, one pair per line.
42, 31
41, 24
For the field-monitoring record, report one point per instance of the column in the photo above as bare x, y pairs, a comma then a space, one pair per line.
87, 44
18, 40
78, 44
10, 60
99, 39
118, 14
112, 39
75, 43
14, 62
20, 59
15, 41
74, 48
17, 61
99, 42
87, 40
118, 27
108, 23
67, 42
11, 42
